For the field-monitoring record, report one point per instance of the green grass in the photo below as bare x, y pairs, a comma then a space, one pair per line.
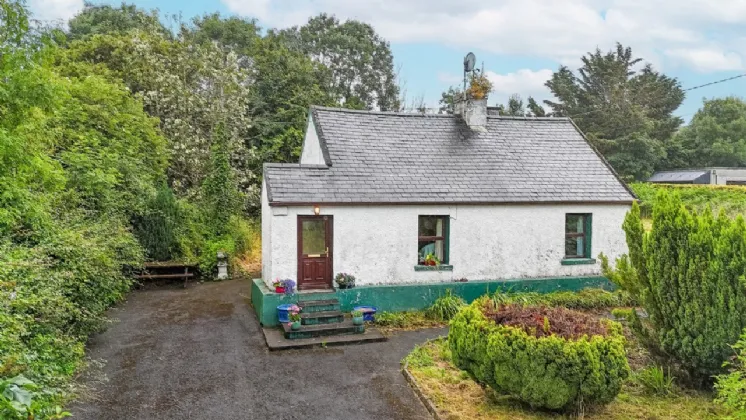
457, 396
586, 299
730, 198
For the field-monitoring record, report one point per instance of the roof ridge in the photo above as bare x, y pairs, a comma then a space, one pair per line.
420, 114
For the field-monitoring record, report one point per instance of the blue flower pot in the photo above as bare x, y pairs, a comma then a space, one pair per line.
283, 312
369, 312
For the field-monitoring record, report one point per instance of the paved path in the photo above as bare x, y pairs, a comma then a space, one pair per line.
199, 354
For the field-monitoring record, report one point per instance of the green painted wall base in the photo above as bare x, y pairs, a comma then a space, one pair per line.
409, 297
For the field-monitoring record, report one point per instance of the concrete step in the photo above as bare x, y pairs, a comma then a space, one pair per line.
326, 305
323, 330
315, 318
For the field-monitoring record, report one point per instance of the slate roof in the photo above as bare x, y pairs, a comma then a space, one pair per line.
682, 176
379, 157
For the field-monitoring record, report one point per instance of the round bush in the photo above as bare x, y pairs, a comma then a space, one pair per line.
544, 357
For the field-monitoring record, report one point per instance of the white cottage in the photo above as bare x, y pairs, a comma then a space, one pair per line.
397, 198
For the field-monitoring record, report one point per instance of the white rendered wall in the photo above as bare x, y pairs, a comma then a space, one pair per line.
378, 244
311, 154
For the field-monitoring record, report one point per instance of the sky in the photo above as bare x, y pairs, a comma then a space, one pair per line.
520, 42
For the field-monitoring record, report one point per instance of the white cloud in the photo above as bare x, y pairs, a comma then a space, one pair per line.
524, 82
55, 10
706, 60
559, 30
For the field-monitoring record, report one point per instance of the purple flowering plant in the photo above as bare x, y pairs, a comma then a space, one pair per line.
289, 286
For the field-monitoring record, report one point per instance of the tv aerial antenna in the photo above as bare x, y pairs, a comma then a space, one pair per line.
469, 62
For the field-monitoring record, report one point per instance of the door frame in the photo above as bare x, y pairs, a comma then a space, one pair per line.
329, 255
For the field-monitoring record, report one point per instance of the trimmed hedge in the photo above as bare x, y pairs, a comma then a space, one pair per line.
550, 372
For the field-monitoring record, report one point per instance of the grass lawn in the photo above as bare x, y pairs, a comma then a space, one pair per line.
456, 396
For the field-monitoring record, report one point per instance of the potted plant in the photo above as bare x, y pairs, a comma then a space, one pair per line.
294, 317
357, 317
345, 281
479, 86
288, 287
431, 260
279, 287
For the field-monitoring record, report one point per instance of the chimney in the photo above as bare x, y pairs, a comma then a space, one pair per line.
473, 112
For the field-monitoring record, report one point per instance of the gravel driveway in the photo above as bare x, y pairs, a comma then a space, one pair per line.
199, 354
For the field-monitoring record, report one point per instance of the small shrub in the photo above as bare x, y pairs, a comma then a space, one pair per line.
656, 381
446, 307
687, 272
392, 319
550, 371
731, 387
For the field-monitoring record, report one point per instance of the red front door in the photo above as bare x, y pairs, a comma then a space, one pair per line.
315, 252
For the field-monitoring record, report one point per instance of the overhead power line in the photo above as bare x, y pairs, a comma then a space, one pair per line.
715, 82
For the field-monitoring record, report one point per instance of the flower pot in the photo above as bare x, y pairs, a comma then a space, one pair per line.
283, 312
342, 285
358, 320
279, 289
295, 325
369, 312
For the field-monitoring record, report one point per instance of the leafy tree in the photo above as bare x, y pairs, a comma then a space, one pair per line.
187, 87
514, 108
448, 100
284, 83
105, 19
716, 136
220, 194
239, 34
534, 109
360, 60
626, 113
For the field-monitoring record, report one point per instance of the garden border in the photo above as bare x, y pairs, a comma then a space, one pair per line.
421, 395
414, 296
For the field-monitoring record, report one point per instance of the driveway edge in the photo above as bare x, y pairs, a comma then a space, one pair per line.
421, 395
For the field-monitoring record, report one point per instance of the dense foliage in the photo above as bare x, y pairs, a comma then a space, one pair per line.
581, 300
731, 387
687, 273
729, 198
716, 136
550, 372
626, 113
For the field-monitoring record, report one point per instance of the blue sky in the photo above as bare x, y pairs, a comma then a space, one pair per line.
520, 41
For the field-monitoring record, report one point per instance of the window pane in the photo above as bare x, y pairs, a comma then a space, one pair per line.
574, 223
430, 226
431, 247
575, 247
314, 237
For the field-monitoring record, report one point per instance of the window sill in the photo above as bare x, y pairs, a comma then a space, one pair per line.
578, 261
442, 267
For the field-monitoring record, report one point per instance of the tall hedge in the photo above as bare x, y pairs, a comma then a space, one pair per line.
548, 372
689, 274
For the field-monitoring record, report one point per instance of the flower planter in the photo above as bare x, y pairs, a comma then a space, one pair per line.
358, 320
283, 312
279, 289
369, 312
295, 326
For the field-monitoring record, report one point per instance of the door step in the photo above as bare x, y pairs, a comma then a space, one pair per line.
311, 306
316, 318
322, 330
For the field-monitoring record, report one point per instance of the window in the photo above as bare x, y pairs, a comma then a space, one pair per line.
577, 236
432, 246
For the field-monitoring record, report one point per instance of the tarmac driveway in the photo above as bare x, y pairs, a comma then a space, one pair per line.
199, 354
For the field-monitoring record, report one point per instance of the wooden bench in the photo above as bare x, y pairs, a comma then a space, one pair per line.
167, 270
